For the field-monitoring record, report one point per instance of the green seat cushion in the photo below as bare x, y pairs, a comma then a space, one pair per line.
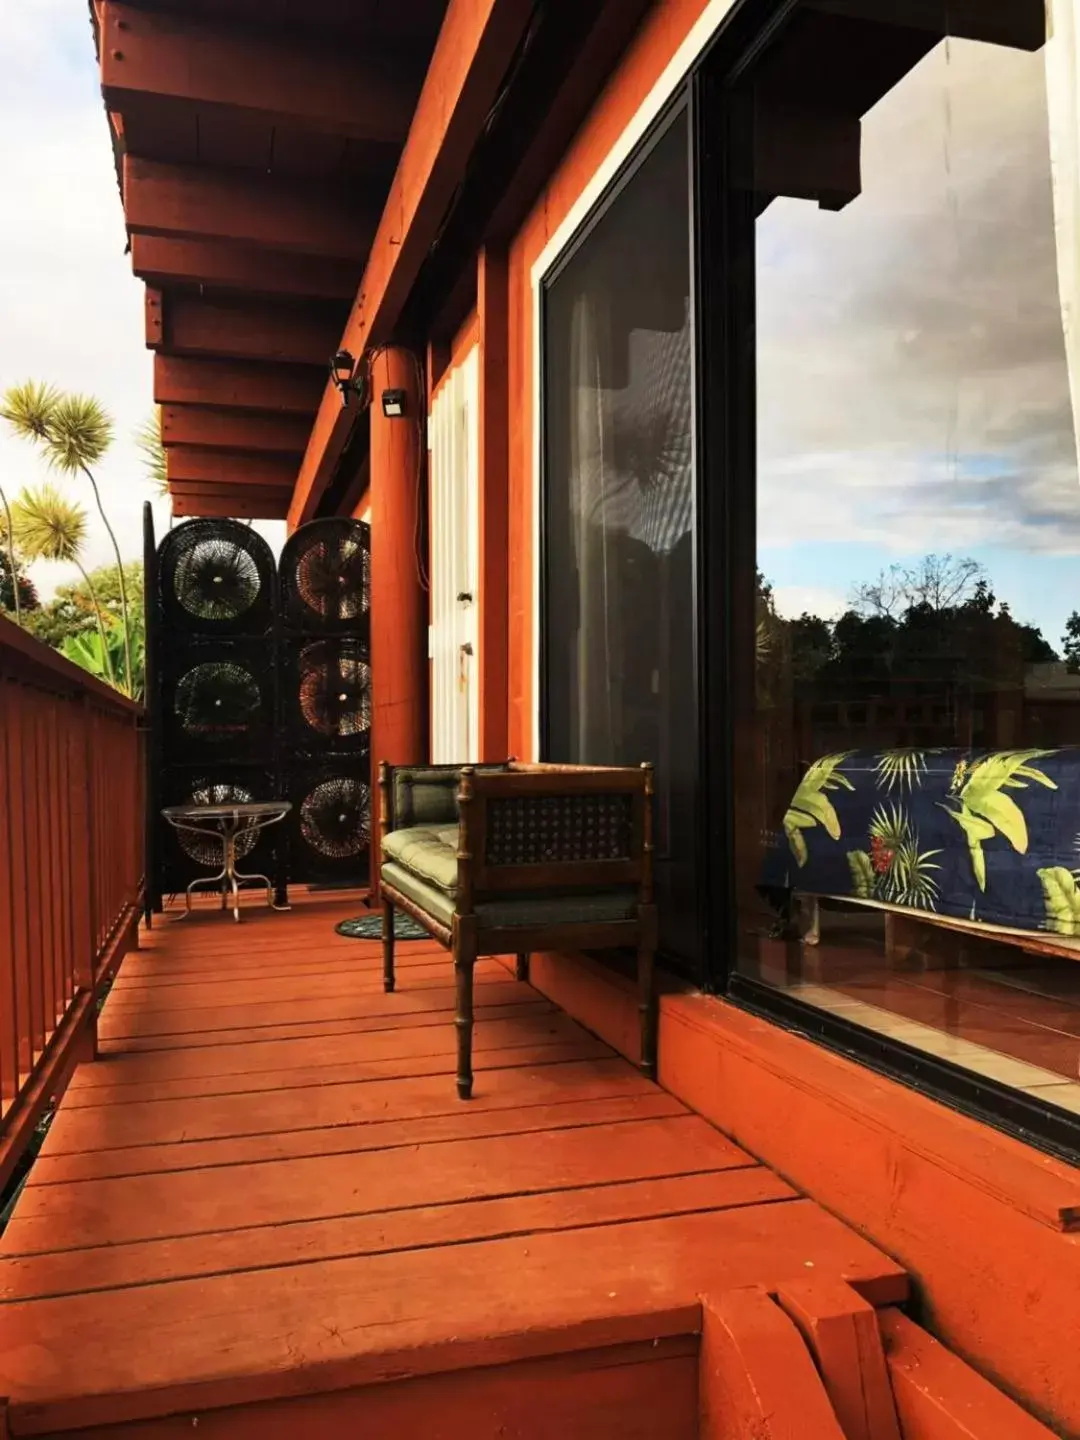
431, 900
428, 852
590, 907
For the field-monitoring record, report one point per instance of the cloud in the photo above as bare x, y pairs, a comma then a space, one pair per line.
71, 312
913, 388
791, 601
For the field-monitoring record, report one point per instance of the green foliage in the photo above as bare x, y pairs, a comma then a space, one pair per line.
29, 408
73, 432
151, 447
71, 610
85, 648
1071, 642
48, 526
28, 596
80, 434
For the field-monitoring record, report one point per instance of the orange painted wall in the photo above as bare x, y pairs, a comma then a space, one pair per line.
651, 51
987, 1227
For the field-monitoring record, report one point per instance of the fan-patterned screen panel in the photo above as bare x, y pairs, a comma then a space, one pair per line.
216, 578
326, 578
325, 583
327, 700
263, 687
219, 699
330, 822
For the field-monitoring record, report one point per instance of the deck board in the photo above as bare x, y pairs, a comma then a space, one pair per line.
269, 1174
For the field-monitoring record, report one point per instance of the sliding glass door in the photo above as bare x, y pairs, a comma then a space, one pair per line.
892, 533
618, 671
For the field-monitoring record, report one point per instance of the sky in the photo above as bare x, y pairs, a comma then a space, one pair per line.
913, 386
71, 312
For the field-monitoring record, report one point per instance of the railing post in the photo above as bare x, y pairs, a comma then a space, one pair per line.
83, 875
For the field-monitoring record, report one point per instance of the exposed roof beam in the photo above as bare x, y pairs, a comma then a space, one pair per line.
267, 503
217, 266
194, 326
191, 203
190, 466
351, 90
234, 430
473, 53
234, 385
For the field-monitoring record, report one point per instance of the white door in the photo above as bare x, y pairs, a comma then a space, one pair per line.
454, 638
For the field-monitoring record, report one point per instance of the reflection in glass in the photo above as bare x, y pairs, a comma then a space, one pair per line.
618, 509
909, 814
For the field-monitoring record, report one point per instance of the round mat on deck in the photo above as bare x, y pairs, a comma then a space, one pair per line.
369, 927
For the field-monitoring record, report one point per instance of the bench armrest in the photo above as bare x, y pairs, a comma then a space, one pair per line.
532, 828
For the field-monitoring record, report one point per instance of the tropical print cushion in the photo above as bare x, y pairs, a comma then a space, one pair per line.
973, 835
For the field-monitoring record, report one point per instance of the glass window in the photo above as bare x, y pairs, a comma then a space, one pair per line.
619, 679
908, 811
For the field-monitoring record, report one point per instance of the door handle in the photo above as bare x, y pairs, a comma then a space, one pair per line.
465, 597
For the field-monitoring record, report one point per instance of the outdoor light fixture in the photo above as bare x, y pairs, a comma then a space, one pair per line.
342, 367
393, 404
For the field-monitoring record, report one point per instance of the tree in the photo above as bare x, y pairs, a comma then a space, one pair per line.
1070, 642
71, 610
50, 527
84, 648
940, 582
20, 600
74, 432
148, 439
8, 533
811, 645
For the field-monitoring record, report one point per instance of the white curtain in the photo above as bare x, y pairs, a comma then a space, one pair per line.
591, 479
1063, 97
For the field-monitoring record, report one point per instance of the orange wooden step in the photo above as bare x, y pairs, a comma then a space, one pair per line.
271, 1333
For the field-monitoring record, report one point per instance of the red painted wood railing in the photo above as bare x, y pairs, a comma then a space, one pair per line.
71, 869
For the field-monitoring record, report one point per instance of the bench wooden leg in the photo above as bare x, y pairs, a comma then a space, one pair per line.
464, 960
521, 969
647, 1008
388, 946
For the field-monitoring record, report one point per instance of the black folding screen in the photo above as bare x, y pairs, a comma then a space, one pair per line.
259, 688
325, 715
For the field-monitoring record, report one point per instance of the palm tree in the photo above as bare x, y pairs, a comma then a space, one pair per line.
152, 447
74, 431
8, 533
51, 527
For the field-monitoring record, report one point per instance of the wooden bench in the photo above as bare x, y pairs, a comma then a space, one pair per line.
510, 859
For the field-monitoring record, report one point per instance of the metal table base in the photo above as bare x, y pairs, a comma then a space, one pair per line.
226, 823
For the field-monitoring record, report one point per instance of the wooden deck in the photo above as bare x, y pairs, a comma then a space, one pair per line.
265, 1194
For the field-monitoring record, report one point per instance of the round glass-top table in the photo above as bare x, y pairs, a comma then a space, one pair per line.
226, 824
